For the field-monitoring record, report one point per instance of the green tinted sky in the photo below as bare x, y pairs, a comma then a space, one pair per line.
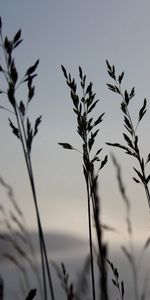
73, 33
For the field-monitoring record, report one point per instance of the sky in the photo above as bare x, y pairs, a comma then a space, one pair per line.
73, 33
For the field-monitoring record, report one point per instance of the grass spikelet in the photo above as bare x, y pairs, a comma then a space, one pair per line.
119, 286
64, 280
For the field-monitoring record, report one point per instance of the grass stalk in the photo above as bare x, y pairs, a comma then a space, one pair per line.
131, 138
41, 235
101, 246
27, 135
90, 240
85, 127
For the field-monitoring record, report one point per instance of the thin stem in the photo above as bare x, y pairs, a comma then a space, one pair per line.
103, 281
95, 205
41, 236
134, 271
147, 194
41, 233
86, 154
90, 241
28, 164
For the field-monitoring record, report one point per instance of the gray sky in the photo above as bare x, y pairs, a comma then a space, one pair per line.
73, 33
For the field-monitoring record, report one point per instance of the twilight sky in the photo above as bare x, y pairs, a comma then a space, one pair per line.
73, 33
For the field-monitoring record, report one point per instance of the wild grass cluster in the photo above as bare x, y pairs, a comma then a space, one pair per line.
84, 102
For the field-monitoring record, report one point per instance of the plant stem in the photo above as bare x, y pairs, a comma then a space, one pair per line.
90, 240
29, 169
25, 137
134, 271
101, 246
41, 235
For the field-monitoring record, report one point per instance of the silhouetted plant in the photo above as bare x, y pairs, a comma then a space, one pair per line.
83, 106
131, 138
23, 129
132, 149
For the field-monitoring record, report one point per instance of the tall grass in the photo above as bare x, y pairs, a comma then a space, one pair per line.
83, 106
142, 176
23, 130
130, 136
